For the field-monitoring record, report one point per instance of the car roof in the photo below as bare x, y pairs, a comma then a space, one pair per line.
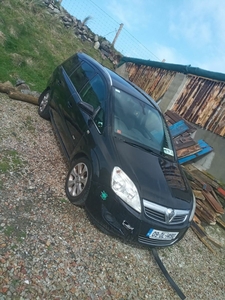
119, 82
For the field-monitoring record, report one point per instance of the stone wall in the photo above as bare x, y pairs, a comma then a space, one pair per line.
82, 31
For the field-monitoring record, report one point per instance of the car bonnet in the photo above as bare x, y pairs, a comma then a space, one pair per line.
157, 179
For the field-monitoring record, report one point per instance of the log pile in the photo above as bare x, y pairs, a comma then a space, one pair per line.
181, 130
16, 94
210, 204
210, 196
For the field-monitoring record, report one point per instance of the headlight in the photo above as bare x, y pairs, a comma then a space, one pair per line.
125, 189
193, 209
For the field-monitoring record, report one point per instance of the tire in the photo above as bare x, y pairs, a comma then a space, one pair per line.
43, 101
78, 181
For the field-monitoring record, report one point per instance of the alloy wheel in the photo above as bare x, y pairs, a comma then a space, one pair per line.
77, 179
44, 102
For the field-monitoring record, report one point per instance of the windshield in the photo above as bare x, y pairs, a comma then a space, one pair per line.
141, 123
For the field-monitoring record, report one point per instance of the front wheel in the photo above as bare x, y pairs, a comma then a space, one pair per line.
78, 181
43, 102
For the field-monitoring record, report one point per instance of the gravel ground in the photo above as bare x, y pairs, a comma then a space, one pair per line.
50, 250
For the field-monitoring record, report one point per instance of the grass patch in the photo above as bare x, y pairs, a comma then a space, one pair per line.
222, 262
21, 235
29, 124
63, 200
15, 282
4, 166
33, 42
9, 161
9, 230
14, 247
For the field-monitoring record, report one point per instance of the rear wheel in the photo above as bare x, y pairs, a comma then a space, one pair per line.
78, 181
43, 102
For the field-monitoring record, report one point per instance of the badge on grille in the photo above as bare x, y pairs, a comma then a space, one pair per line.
169, 215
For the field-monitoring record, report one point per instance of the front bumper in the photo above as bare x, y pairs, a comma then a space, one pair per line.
117, 218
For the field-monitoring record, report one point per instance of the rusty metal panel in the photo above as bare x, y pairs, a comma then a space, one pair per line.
202, 102
153, 81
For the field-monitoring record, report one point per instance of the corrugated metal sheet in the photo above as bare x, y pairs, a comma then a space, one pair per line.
202, 102
153, 81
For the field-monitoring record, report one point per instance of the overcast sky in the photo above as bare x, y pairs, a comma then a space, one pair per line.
189, 32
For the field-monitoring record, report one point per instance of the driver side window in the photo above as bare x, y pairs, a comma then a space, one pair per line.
94, 93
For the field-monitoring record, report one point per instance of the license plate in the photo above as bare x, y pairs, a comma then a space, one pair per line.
161, 235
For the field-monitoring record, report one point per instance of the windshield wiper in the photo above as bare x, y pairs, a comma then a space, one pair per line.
141, 147
145, 148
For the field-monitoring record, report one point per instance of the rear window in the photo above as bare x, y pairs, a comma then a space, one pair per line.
71, 64
82, 75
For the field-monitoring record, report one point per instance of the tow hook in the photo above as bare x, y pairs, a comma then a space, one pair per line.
127, 226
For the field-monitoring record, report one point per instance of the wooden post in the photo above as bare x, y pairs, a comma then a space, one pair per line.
117, 34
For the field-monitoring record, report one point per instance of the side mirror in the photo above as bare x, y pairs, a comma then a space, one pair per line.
87, 108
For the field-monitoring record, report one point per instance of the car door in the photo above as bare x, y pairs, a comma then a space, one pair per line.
75, 124
85, 125
94, 93
61, 92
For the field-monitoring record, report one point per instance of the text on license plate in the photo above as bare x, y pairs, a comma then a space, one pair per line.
161, 235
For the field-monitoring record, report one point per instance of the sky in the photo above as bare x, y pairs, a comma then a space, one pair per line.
187, 32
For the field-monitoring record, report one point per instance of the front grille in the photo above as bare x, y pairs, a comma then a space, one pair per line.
154, 242
163, 214
153, 214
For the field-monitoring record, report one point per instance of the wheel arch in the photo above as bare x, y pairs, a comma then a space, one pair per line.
92, 157
42, 93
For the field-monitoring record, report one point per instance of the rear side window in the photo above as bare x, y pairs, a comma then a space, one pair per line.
94, 92
82, 75
71, 64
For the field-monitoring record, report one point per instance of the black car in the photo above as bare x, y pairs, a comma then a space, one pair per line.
123, 166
